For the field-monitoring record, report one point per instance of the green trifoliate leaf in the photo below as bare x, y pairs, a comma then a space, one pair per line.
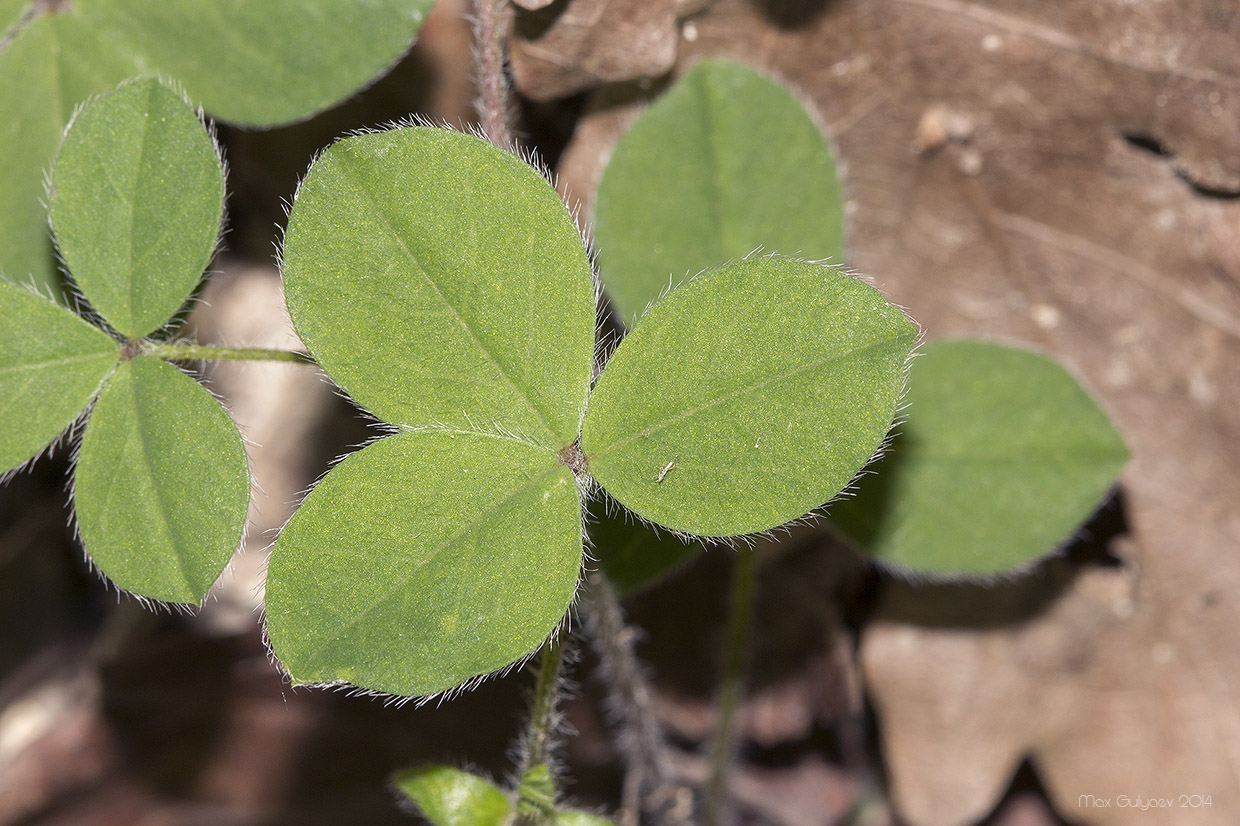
748, 397
440, 280
1003, 455
50, 66
136, 200
424, 560
162, 485
632, 553
261, 63
450, 797
726, 162
51, 365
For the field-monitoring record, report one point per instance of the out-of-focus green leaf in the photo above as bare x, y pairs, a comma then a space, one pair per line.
136, 202
50, 66
748, 397
450, 797
724, 163
11, 11
162, 484
1003, 455
423, 561
632, 553
261, 63
51, 365
440, 280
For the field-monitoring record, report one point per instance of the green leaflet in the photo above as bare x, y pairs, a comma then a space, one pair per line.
424, 560
137, 197
450, 797
633, 554
747, 397
162, 485
724, 163
51, 365
1003, 455
475, 255
53, 64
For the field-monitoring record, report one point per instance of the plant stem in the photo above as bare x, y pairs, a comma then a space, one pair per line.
723, 741
647, 789
537, 742
201, 352
542, 714
493, 109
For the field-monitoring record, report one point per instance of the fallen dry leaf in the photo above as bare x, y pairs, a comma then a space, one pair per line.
1062, 175
567, 47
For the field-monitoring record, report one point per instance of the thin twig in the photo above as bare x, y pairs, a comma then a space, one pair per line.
490, 23
723, 741
647, 787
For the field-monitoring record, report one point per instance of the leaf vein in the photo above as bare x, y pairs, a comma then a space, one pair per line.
403, 581
788, 374
381, 210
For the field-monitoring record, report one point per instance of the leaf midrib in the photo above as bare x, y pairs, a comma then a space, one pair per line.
399, 585
41, 365
693, 411
117, 470
381, 211
178, 545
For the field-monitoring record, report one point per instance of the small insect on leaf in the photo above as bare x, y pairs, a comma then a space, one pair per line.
666, 470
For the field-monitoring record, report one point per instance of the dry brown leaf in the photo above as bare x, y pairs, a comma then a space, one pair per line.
1060, 175
570, 46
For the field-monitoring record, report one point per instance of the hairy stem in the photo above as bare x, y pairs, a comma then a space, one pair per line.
493, 92
647, 789
200, 352
537, 790
546, 695
723, 741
